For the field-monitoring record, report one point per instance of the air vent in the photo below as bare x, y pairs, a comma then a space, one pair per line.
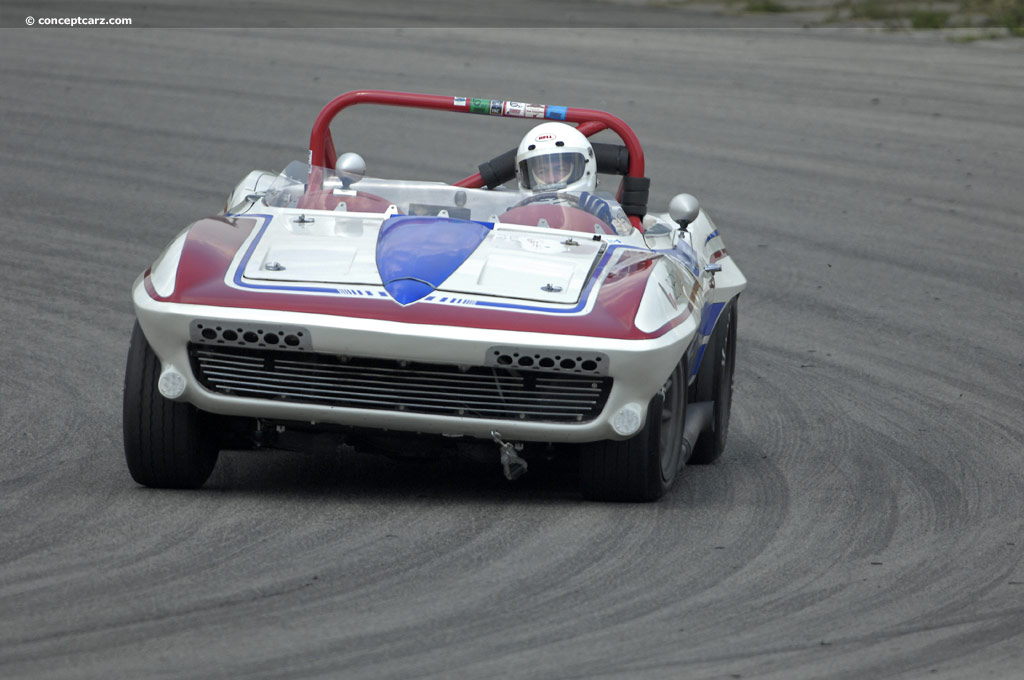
234, 334
553, 360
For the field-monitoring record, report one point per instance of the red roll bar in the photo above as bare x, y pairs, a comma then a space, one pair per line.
590, 122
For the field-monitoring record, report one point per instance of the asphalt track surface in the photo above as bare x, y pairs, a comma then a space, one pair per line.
865, 522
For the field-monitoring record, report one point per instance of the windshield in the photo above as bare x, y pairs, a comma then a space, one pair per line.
304, 187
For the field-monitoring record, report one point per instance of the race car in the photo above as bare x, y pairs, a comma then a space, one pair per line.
514, 313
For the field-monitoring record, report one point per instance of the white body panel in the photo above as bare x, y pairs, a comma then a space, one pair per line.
516, 263
637, 366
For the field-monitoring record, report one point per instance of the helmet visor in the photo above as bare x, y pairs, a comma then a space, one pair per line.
551, 171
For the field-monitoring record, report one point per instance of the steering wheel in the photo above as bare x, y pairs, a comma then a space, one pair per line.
549, 197
559, 211
556, 217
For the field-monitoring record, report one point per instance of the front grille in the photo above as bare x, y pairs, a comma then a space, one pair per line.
385, 385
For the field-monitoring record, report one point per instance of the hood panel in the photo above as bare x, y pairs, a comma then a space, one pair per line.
450, 256
527, 265
326, 249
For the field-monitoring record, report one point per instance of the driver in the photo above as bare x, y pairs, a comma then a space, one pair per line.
556, 163
555, 156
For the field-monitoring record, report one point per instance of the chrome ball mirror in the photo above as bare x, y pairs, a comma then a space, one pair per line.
683, 209
350, 167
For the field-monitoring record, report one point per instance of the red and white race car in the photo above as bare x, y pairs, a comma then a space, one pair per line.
511, 310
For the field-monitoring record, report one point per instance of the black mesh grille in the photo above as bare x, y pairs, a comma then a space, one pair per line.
471, 392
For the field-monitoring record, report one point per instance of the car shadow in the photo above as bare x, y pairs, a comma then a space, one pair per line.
357, 475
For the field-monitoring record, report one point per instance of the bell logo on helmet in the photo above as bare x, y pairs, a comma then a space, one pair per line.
545, 138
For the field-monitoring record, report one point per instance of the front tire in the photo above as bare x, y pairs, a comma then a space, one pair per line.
167, 444
714, 383
644, 467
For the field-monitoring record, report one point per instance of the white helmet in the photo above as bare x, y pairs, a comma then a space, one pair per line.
555, 156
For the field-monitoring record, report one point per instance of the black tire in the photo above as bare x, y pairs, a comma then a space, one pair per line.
167, 444
644, 467
714, 383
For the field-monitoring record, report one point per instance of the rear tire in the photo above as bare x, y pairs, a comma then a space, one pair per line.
167, 444
644, 467
714, 383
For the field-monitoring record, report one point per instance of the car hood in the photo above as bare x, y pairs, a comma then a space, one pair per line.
414, 257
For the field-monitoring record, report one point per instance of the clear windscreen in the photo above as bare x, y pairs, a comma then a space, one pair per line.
304, 187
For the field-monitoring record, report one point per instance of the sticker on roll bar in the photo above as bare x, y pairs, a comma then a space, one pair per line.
510, 109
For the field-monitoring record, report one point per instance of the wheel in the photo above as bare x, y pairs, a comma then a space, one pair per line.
166, 444
645, 466
714, 383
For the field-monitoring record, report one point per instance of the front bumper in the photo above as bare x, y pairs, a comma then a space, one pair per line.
637, 368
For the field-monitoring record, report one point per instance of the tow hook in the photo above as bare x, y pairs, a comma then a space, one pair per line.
514, 466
